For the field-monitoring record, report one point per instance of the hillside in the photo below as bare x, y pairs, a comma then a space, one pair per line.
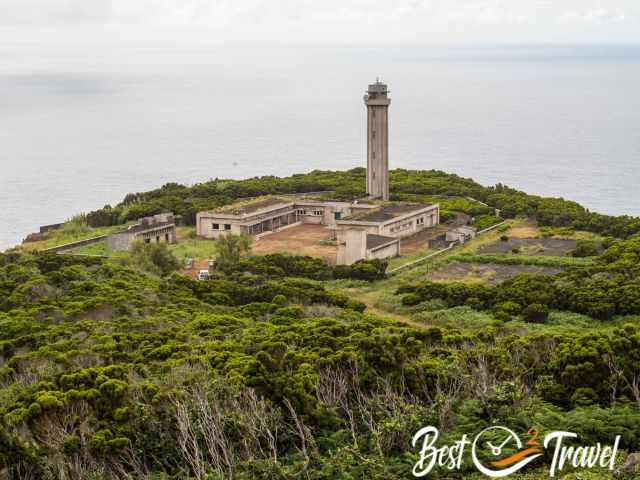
283, 367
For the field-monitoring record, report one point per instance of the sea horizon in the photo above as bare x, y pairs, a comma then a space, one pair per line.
556, 121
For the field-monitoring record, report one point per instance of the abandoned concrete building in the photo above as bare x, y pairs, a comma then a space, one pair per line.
354, 245
395, 220
461, 234
362, 230
271, 214
156, 229
365, 229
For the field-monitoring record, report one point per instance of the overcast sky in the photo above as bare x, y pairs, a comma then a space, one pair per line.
327, 21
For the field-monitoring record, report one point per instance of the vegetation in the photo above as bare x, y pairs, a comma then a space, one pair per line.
486, 221
229, 250
284, 367
517, 259
609, 286
454, 193
110, 373
153, 258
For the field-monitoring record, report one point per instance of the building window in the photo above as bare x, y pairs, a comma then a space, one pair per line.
227, 226
301, 212
318, 213
216, 226
420, 221
166, 237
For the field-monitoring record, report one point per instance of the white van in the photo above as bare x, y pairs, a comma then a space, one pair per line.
203, 275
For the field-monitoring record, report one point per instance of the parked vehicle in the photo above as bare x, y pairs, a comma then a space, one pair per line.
203, 275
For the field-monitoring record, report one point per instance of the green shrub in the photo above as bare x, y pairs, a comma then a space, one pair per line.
154, 258
585, 248
536, 313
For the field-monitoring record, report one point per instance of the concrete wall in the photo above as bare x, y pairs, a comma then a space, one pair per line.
79, 243
409, 225
123, 240
352, 246
311, 219
119, 241
205, 227
389, 251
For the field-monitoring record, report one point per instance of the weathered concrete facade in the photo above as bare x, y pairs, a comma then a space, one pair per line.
261, 216
156, 229
362, 230
252, 218
394, 220
355, 244
377, 102
461, 234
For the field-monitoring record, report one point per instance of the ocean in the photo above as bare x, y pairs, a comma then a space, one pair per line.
82, 126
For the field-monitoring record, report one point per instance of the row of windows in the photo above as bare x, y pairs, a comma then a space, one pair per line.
216, 226
316, 213
399, 228
404, 226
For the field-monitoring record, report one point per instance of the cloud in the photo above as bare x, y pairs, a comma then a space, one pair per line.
334, 20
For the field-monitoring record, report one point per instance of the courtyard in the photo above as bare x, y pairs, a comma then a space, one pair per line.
305, 239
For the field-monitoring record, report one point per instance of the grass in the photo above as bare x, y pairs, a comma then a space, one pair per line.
515, 259
101, 249
567, 234
404, 259
380, 296
69, 232
189, 246
195, 249
466, 318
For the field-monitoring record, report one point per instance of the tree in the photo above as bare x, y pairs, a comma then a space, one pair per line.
154, 258
229, 250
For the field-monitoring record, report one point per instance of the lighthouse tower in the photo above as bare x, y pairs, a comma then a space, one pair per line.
377, 103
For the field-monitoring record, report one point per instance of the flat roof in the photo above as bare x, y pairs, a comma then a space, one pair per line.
386, 212
374, 240
137, 228
252, 206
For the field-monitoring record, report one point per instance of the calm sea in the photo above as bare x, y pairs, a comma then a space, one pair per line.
81, 127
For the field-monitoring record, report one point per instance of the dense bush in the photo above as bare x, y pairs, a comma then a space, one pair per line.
108, 372
280, 265
485, 221
585, 248
153, 258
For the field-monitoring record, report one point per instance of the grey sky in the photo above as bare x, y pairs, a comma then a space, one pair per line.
442, 21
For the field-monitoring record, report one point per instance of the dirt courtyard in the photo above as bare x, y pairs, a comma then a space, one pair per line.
299, 240
539, 247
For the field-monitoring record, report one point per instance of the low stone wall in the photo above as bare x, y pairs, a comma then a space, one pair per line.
50, 228
72, 245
